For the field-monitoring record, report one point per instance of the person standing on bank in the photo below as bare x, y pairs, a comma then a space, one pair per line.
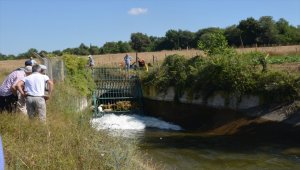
33, 62
91, 62
127, 60
8, 94
34, 91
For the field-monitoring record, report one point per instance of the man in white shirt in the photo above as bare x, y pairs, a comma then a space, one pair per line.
34, 91
33, 62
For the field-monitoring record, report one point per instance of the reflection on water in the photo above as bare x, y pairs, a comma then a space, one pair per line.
194, 150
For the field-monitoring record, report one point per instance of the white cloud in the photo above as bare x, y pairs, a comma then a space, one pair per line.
137, 11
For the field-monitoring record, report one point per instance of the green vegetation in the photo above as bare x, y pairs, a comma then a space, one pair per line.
247, 33
67, 141
284, 59
225, 71
213, 44
79, 75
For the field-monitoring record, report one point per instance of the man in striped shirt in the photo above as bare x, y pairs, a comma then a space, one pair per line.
8, 94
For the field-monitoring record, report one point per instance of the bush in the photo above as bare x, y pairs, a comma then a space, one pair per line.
278, 87
79, 75
214, 44
172, 73
232, 74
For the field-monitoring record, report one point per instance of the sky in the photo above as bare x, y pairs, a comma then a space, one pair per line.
59, 24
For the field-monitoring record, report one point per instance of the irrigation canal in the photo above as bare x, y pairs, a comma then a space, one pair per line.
175, 148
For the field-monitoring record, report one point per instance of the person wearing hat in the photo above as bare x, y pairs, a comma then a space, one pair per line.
32, 88
21, 103
91, 62
43, 69
8, 93
27, 63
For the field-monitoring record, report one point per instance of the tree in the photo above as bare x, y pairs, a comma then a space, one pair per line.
250, 31
186, 39
43, 53
287, 33
140, 42
172, 39
83, 50
94, 50
200, 32
110, 48
213, 44
268, 30
57, 52
124, 47
233, 36
161, 44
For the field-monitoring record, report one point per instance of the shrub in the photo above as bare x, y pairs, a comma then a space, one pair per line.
232, 74
214, 44
79, 75
278, 87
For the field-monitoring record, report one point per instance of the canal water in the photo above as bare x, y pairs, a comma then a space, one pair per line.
172, 147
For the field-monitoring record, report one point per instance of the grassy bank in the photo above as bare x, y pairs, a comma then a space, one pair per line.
66, 141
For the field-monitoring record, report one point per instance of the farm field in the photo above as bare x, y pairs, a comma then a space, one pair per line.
159, 56
7, 66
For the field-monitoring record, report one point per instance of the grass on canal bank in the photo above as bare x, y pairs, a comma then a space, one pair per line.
66, 141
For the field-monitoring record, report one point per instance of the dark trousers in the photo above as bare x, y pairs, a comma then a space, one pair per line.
8, 103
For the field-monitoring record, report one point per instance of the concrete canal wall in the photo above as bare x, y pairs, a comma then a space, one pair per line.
194, 111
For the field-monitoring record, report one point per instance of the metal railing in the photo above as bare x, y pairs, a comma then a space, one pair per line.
117, 91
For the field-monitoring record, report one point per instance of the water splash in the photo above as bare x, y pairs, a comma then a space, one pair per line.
131, 122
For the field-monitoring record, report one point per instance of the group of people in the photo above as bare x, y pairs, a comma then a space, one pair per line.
140, 63
23, 90
127, 60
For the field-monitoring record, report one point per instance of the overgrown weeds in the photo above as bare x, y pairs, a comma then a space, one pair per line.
238, 74
62, 145
66, 141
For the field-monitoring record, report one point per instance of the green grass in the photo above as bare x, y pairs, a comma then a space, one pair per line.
283, 59
66, 141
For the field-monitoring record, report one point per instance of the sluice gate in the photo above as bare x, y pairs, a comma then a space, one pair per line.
117, 91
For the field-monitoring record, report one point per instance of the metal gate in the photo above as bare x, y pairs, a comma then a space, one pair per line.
117, 91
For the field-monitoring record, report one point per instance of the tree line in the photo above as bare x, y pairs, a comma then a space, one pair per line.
249, 32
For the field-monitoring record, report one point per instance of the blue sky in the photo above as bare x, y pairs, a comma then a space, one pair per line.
58, 24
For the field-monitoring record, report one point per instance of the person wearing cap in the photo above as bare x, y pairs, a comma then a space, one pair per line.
91, 62
8, 94
43, 68
21, 103
27, 63
32, 88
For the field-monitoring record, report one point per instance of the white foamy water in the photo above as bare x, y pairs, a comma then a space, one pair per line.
131, 122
